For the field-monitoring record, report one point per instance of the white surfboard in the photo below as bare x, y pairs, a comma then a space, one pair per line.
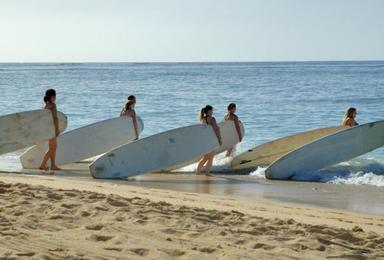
229, 138
266, 153
229, 135
327, 151
157, 152
20, 130
85, 142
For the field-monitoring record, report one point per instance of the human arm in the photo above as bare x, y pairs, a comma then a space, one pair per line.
134, 120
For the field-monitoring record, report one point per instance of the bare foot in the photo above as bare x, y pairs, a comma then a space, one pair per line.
197, 173
208, 174
55, 168
43, 168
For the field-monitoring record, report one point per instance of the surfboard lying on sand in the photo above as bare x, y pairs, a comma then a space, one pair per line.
229, 139
332, 149
20, 130
157, 152
85, 142
266, 153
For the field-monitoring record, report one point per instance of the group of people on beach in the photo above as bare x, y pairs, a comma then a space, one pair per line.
206, 117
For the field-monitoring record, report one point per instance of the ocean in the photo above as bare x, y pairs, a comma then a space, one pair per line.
274, 99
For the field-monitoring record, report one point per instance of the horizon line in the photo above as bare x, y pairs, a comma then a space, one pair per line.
138, 62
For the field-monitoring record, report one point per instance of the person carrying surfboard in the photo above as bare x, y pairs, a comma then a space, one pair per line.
207, 118
49, 100
129, 110
232, 116
349, 117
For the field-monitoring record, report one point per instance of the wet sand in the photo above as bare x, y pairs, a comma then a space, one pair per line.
341, 197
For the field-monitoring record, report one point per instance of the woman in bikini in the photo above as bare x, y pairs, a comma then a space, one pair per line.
49, 100
207, 118
232, 116
129, 110
349, 117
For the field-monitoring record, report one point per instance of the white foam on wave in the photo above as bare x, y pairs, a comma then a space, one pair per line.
221, 163
360, 178
10, 161
259, 172
360, 171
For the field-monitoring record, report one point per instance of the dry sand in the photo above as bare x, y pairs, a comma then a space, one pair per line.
43, 217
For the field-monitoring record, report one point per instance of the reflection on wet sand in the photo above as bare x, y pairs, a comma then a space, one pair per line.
343, 197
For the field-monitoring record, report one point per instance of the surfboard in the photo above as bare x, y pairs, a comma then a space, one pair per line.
24, 129
85, 142
229, 138
157, 152
229, 135
266, 153
329, 150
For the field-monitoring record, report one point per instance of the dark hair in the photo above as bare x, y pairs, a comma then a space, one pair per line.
48, 94
231, 106
349, 112
129, 104
131, 97
204, 111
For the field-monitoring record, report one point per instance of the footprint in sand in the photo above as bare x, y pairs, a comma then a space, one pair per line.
54, 196
173, 252
26, 254
118, 249
96, 227
99, 238
140, 251
207, 250
263, 246
116, 202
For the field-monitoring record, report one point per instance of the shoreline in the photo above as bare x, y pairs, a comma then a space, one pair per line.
349, 198
105, 219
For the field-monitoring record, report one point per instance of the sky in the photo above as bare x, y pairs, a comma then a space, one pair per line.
190, 30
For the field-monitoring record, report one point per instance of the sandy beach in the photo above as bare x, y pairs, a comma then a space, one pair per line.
49, 217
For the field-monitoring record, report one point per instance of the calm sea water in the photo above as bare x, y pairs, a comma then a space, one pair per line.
274, 99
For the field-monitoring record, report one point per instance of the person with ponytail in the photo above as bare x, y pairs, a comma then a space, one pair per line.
129, 111
207, 118
349, 117
49, 100
232, 116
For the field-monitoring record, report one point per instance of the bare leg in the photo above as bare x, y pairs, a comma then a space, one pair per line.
47, 156
45, 160
53, 147
209, 165
201, 164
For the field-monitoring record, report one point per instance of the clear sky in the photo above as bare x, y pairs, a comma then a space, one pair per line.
190, 30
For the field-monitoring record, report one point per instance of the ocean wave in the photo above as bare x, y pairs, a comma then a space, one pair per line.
361, 178
360, 171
